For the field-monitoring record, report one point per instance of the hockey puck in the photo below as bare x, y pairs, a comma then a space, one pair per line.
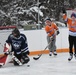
28, 65
0, 66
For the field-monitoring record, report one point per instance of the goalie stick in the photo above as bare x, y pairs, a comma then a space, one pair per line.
39, 55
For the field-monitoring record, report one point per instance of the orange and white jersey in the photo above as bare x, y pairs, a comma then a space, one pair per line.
50, 30
71, 25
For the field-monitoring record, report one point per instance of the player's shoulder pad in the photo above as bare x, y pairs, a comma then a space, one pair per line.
23, 36
10, 36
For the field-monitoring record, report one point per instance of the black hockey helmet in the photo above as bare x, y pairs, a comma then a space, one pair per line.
16, 32
48, 19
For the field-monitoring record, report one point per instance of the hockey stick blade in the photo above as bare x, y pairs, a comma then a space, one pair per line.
36, 58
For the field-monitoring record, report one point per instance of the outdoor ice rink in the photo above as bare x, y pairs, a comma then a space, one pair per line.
46, 65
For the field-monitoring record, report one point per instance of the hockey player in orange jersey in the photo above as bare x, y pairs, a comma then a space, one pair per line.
71, 22
51, 30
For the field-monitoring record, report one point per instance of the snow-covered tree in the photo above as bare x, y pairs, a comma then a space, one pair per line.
12, 12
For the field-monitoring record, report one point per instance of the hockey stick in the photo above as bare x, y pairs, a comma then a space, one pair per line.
36, 58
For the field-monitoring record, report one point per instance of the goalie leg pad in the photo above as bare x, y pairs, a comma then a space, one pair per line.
18, 56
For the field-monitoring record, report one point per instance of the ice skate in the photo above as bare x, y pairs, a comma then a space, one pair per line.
70, 57
50, 54
55, 53
75, 56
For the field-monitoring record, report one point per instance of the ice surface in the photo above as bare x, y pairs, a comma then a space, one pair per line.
46, 65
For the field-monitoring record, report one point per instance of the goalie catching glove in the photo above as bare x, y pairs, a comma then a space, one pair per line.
6, 49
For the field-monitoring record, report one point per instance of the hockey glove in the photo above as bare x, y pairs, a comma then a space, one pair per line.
27, 52
6, 48
52, 38
58, 32
6, 53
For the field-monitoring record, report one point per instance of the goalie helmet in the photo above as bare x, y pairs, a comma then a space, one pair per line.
16, 33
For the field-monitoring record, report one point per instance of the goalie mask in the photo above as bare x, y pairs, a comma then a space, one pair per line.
16, 33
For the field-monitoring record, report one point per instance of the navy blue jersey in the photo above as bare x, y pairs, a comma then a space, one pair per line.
18, 45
